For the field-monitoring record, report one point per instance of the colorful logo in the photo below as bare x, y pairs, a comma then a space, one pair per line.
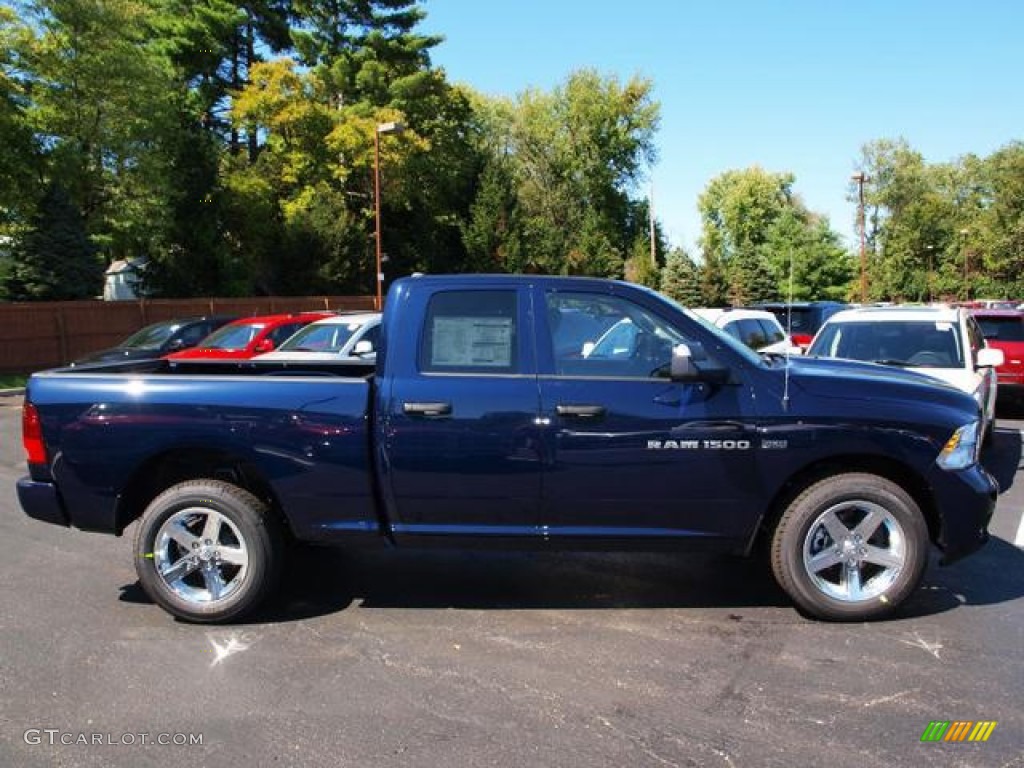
959, 730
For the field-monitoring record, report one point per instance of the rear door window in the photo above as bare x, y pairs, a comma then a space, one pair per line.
470, 332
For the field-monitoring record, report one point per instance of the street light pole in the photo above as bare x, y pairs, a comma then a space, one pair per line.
860, 178
391, 127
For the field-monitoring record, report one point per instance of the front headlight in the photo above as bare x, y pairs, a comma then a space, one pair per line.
961, 450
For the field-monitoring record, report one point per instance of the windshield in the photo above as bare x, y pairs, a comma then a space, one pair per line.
329, 337
734, 344
918, 343
1001, 328
799, 320
234, 336
151, 337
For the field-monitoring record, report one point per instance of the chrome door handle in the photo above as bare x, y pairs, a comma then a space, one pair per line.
581, 411
427, 409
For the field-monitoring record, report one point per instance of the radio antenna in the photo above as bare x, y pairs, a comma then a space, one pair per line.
789, 333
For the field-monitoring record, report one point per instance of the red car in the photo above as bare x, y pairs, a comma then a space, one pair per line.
1004, 329
248, 337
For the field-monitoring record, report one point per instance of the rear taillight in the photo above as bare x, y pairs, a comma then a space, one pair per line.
32, 434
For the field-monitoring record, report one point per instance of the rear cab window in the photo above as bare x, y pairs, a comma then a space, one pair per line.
471, 332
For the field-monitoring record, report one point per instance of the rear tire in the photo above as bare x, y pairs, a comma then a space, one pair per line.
850, 547
207, 551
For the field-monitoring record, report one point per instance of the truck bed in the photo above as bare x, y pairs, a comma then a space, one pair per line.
303, 429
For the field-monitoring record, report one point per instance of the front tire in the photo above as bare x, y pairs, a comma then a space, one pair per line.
850, 547
207, 551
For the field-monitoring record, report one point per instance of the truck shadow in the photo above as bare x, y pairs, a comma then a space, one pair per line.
322, 581
325, 581
988, 577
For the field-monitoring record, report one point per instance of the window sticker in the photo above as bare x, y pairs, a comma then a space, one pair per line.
484, 342
943, 326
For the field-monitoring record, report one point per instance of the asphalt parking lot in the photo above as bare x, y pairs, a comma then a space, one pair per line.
472, 659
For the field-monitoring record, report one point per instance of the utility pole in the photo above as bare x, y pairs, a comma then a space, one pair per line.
860, 178
650, 215
380, 128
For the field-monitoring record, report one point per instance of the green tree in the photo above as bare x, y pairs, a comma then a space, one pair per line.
999, 228
492, 234
680, 279
757, 234
714, 281
19, 158
98, 96
576, 155
807, 259
55, 259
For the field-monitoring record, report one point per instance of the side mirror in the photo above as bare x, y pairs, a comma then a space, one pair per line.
263, 345
362, 347
588, 347
693, 364
176, 345
682, 367
989, 357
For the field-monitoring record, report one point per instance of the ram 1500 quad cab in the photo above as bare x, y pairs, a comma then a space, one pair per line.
515, 412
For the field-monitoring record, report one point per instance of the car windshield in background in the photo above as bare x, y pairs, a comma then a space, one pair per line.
150, 337
1001, 328
232, 336
917, 344
799, 320
329, 337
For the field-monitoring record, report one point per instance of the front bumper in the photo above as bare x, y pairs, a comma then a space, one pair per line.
41, 501
965, 501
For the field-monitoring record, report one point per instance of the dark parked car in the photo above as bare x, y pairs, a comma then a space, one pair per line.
159, 339
802, 319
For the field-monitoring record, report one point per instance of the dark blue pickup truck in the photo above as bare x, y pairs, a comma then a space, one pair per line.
515, 412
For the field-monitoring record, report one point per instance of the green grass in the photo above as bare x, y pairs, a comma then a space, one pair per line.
10, 380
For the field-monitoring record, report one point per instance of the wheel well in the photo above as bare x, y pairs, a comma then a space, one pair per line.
891, 469
160, 472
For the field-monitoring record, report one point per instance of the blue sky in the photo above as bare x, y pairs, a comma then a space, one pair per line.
797, 85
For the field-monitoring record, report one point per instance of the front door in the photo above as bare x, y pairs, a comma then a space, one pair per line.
630, 452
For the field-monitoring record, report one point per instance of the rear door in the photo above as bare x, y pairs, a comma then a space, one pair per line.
631, 454
461, 447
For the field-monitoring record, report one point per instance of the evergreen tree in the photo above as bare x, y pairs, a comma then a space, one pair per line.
491, 236
680, 279
751, 280
639, 267
55, 259
714, 283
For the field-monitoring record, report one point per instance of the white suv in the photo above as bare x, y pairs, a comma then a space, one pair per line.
757, 328
943, 342
345, 337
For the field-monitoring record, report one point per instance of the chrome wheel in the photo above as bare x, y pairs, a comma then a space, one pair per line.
200, 555
854, 551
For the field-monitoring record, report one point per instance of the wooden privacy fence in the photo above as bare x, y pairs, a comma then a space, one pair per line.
38, 335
